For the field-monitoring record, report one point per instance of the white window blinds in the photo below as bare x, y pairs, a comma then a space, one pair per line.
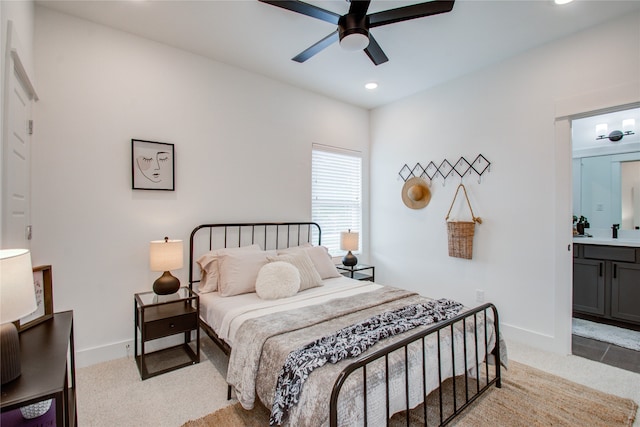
336, 194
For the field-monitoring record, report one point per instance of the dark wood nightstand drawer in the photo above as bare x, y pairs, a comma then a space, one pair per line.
170, 326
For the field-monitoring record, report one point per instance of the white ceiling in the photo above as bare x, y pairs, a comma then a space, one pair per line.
422, 52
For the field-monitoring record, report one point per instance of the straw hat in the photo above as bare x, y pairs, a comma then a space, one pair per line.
416, 193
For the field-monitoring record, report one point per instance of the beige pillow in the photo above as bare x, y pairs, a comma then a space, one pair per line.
209, 266
319, 256
294, 249
309, 276
239, 271
322, 261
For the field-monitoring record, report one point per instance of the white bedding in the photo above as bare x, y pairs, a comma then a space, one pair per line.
226, 314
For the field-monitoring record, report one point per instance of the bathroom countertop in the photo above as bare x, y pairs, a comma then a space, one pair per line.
634, 243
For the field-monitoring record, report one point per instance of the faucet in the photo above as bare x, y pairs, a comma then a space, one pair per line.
614, 228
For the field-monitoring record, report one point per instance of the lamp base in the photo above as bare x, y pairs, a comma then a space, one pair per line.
349, 260
10, 353
166, 284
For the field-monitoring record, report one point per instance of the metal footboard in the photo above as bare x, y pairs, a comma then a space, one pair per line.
485, 374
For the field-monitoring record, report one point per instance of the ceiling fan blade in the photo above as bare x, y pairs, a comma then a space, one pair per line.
305, 9
359, 7
410, 12
374, 52
322, 44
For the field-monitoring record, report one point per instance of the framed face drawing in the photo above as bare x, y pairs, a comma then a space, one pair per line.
43, 285
152, 165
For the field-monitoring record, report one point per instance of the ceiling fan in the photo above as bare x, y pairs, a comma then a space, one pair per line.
353, 27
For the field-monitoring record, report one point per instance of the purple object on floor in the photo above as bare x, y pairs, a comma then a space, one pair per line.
14, 418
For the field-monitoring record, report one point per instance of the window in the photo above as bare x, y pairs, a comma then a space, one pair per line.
336, 194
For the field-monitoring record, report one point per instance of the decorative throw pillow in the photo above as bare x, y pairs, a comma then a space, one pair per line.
322, 261
209, 266
309, 277
294, 249
319, 256
277, 280
239, 271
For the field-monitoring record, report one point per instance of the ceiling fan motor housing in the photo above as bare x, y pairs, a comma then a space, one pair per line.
353, 28
353, 24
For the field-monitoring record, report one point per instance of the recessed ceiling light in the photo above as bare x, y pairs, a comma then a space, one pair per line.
562, 1
371, 85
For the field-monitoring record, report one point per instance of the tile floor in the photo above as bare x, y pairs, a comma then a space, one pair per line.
606, 353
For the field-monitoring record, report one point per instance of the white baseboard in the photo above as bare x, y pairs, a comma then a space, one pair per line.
92, 356
118, 350
534, 339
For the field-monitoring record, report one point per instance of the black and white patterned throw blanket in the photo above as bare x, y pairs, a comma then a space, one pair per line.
351, 342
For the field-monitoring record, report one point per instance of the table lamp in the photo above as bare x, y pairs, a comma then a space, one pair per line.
17, 299
165, 255
349, 242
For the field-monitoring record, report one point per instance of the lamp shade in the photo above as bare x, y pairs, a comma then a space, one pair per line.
349, 240
165, 255
17, 293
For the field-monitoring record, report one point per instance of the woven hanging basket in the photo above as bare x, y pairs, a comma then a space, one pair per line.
460, 233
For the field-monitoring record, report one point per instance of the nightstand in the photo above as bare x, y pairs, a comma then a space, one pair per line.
358, 272
159, 316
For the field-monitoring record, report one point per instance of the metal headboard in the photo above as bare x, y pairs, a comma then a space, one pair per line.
269, 235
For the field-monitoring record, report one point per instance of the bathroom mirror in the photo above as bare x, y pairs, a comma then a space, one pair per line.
606, 170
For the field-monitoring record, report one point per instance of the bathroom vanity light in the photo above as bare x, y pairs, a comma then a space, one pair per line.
628, 126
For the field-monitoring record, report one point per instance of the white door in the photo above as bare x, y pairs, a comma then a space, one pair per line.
16, 151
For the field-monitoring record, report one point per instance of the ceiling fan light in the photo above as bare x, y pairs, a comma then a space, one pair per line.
354, 41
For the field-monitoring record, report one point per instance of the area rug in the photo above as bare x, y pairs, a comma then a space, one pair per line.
606, 333
528, 398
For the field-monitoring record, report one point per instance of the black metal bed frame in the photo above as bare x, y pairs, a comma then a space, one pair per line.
271, 234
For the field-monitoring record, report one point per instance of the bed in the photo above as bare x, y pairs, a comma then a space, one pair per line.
260, 335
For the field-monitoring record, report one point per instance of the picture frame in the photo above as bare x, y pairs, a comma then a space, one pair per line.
43, 284
152, 165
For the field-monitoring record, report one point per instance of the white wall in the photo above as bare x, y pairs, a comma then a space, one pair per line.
242, 148
505, 112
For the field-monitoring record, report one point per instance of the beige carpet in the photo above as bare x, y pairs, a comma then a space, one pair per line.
528, 398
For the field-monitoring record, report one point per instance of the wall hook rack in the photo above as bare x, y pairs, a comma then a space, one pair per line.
461, 167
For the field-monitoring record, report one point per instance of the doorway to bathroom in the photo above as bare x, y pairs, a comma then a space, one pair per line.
606, 204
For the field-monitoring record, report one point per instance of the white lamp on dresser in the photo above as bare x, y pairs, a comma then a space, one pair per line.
17, 300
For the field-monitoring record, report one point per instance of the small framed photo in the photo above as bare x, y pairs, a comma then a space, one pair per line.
152, 165
43, 284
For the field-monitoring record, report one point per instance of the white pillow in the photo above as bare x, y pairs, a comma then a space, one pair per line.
322, 262
309, 277
209, 266
277, 279
239, 271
